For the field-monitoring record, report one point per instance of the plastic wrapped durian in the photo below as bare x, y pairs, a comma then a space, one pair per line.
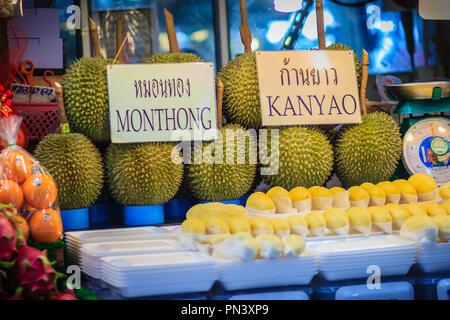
408, 193
281, 198
322, 198
377, 196
215, 239
434, 209
359, 197
316, 223
238, 247
260, 225
260, 203
216, 209
425, 185
360, 220
193, 226
393, 192
293, 245
446, 206
337, 221
301, 199
398, 214
341, 198
270, 246
238, 225
444, 192
415, 209
280, 227
381, 218
216, 225
420, 228
443, 223
298, 225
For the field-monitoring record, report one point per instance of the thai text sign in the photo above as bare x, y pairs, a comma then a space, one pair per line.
307, 87
162, 102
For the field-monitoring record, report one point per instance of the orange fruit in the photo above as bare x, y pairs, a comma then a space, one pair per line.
46, 226
17, 165
40, 191
11, 193
22, 224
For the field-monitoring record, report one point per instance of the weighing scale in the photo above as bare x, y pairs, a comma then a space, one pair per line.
426, 138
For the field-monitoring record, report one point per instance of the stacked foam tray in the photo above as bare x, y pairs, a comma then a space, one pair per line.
433, 257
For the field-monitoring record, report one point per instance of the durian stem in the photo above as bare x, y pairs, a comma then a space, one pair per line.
320, 25
244, 29
170, 27
63, 123
364, 76
119, 38
95, 38
219, 98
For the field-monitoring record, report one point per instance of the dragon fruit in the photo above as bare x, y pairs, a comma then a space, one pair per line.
67, 295
8, 238
34, 272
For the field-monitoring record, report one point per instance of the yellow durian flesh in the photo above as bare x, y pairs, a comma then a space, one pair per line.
280, 227
299, 194
335, 190
376, 194
380, 214
260, 225
281, 198
446, 206
358, 193
415, 223
415, 209
217, 238
434, 209
239, 224
408, 192
444, 192
260, 201
420, 228
336, 220
320, 192
393, 192
443, 222
298, 225
216, 209
270, 246
293, 245
359, 217
341, 198
423, 183
322, 198
216, 225
398, 214
193, 225
316, 220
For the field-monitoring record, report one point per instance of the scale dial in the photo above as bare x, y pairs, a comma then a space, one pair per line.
426, 148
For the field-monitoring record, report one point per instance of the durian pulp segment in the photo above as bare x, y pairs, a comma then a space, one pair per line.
341, 199
392, 191
270, 246
422, 229
444, 193
216, 209
280, 227
322, 198
298, 225
293, 245
358, 196
302, 205
434, 209
408, 192
238, 225
443, 222
261, 202
216, 225
193, 225
317, 223
446, 206
423, 183
415, 209
260, 226
299, 194
398, 214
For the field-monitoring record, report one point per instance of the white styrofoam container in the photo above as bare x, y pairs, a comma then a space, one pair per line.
387, 291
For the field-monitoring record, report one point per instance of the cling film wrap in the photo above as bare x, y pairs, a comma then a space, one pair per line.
26, 185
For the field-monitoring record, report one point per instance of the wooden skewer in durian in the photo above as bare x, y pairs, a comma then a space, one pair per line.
95, 38
119, 39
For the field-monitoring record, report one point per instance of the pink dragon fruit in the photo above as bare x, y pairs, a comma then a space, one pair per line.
8, 238
34, 272
67, 295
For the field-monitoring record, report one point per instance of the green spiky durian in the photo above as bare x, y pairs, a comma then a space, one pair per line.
340, 46
368, 152
223, 181
178, 57
305, 158
76, 166
241, 93
86, 98
142, 174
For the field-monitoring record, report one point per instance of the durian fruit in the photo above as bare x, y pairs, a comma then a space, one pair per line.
443, 222
222, 181
398, 214
340, 46
76, 166
142, 174
239, 225
293, 245
305, 158
238, 247
322, 198
368, 152
337, 221
446, 206
216, 209
260, 225
434, 209
193, 226
270, 246
393, 192
444, 192
425, 185
408, 192
176, 57
360, 220
281, 198
359, 197
216, 225
381, 218
280, 227
301, 199
376, 194
420, 228
316, 223
259, 202
215, 239
86, 98
415, 209
341, 198
298, 225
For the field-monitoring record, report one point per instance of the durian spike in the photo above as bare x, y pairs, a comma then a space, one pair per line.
95, 38
120, 49
63, 123
364, 75
320, 25
244, 29
119, 38
170, 27
219, 98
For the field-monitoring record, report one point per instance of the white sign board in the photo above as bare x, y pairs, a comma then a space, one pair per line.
162, 102
307, 87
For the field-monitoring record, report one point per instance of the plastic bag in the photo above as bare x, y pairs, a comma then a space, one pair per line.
26, 185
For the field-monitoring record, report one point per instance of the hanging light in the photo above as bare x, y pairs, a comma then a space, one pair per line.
287, 5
